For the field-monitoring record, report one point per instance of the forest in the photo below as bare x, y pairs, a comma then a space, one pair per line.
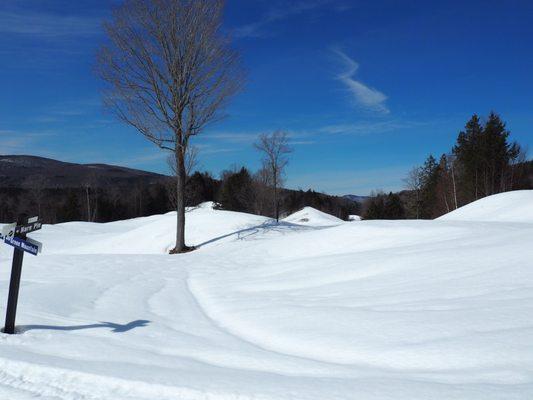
483, 161
237, 190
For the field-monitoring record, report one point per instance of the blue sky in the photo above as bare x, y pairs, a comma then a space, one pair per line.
367, 89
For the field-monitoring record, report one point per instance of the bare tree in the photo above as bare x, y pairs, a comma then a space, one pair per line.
92, 184
275, 148
264, 198
191, 163
37, 187
413, 181
169, 71
87, 198
452, 161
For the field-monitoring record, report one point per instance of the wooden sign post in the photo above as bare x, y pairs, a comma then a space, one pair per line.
15, 235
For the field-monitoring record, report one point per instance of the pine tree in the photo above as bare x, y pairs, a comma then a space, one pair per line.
393, 207
467, 151
429, 180
485, 158
375, 207
237, 192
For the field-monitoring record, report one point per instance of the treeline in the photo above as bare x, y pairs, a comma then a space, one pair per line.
384, 206
94, 204
236, 190
242, 191
483, 161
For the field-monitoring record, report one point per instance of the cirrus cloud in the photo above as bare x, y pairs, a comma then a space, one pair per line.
364, 96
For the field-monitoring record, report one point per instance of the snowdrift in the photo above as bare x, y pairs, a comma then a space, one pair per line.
514, 206
312, 217
146, 235
380, 310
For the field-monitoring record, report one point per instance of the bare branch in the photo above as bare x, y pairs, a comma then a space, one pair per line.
275, 148
169, 70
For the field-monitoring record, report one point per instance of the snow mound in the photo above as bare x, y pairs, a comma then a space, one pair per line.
312, 217
354, 218
403, 310
514, 206
155, 234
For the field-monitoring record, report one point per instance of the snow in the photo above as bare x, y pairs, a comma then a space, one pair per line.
396, 310
312, 217
516, 206
354, 218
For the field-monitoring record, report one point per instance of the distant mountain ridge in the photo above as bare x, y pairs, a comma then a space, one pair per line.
356, 198
61, 191
23, 171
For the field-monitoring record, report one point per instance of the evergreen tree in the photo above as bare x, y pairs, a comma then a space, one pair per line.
497, 155
375, 207
71, 209
237, 192
200, 187
393, 208
468, 156
429, 180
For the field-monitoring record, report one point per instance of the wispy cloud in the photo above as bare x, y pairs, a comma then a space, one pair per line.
246, 139
364, 96
365, 128
276, 14
21, 142
70, 110
45, 25
234, 137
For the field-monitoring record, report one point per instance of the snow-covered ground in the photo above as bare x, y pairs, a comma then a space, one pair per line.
312, 217
514, 206
397, 310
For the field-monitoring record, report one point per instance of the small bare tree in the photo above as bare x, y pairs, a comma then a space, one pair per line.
169, 71
37, 185
275, 148
413, 181
263, 192
452, 161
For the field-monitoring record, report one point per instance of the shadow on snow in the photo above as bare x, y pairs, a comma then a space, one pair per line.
117, 328
268, 226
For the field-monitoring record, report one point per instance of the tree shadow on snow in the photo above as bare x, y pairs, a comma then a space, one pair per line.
117, 328
268, 226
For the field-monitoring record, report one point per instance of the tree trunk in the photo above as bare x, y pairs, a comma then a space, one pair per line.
88, 203
180, 202
446, 202
475, 185
276, 202
454, 188
417, 204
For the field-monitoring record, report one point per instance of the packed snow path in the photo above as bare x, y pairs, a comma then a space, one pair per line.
397, 310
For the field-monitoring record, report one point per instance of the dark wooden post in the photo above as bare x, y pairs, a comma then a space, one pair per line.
14, 284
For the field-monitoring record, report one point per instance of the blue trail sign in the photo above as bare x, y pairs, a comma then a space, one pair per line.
28, 245
15, 235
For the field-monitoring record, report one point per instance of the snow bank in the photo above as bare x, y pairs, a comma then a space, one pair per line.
312, 217
514, 206
382, 310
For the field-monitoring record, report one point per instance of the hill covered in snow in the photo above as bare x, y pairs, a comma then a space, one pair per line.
312, 217
399, 310
516, 206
